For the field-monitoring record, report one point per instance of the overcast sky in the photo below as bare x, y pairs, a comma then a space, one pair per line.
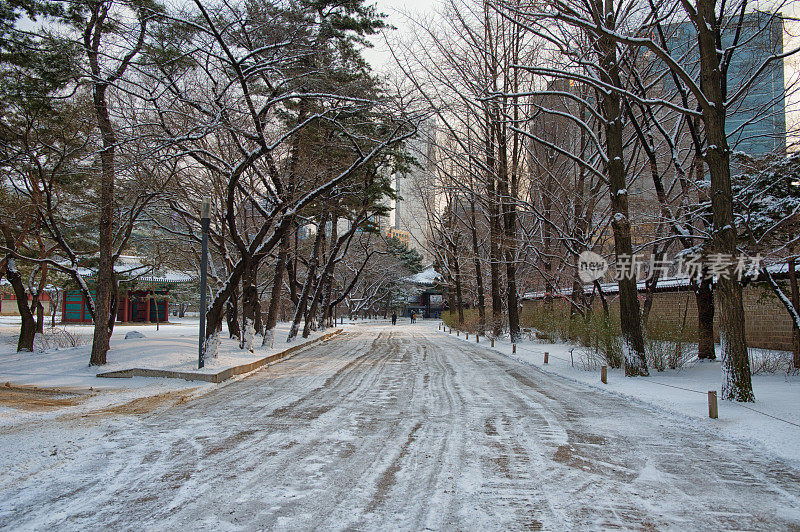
396, 10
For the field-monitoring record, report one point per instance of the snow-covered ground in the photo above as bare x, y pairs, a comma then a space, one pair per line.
773, 420
173, 346
393, 428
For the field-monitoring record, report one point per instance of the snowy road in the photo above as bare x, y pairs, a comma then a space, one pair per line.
392, 428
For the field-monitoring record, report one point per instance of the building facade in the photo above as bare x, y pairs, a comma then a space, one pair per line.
415, 192
756, 122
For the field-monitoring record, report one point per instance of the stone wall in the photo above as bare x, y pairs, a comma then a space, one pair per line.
767, 324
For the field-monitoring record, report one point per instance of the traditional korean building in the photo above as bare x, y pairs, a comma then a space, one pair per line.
144, 293
8, 301
425, 298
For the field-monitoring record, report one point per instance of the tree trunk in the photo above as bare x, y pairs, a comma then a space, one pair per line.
630, 318
327, 269
494, 229
275, 297
250, 306
311, 273
704, 298
27, 330
508, 209
476, 254
55, 300
113, 304
459, 297
39, 317
705, 289
105, 268
795, 297
232, 315
736, 381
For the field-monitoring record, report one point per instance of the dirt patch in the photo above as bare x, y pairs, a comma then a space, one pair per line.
35, 399
143, 405
229, 442
387, 478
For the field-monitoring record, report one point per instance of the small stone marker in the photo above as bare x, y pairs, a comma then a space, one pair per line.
712, 404
604, 374
133, 334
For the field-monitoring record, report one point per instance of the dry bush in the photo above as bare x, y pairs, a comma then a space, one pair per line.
669, 344
58, 338
768, 361
597, 333
472, 322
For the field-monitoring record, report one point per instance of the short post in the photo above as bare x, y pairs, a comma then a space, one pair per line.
492, 342
712, 404
467, 336
458, 333
477, 338
513, 348
546, 357
604, 374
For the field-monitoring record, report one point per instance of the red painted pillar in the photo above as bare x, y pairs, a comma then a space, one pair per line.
166, 308
147, 295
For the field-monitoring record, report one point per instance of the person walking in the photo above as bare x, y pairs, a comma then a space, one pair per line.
394, 318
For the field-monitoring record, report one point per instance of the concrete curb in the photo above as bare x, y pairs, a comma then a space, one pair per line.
214, 377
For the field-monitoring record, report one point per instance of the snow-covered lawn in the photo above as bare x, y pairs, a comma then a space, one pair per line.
773, 420
173, 346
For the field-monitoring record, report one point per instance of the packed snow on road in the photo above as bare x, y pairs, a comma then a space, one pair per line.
392, 428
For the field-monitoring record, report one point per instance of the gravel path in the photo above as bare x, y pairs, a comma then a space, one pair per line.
392, 428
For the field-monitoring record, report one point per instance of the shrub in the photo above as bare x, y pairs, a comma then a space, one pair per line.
57, 338
596, 332
472, 321
767, 361
668, 344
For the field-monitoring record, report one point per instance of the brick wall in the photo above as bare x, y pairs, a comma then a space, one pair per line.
767, 324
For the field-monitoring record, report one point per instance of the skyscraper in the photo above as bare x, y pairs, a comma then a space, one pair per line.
414, 190
756, 122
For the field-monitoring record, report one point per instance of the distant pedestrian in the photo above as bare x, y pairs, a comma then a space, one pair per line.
394, 318
413, 317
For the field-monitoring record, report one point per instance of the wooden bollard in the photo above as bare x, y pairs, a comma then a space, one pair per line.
467, 336
712, 404
492, 342
604, 374
477, 338
513, 348
546, 357
458, 332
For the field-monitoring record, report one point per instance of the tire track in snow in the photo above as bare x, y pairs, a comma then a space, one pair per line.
403, 428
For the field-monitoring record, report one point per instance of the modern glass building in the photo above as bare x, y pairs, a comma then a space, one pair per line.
756, 123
